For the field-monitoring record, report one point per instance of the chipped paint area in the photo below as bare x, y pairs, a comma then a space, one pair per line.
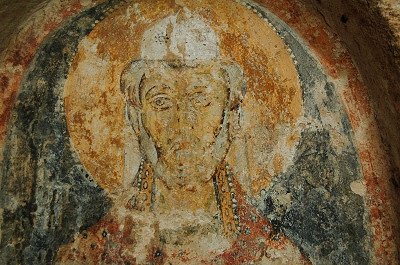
181, 132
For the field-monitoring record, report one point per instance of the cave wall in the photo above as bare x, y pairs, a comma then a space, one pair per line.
332, 197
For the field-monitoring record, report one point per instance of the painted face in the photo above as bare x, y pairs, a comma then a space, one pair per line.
182, 110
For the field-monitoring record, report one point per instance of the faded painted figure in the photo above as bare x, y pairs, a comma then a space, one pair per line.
184, 205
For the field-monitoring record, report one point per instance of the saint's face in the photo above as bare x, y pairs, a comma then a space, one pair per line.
182, 110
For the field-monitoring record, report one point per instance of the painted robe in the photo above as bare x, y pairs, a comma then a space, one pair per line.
125, 236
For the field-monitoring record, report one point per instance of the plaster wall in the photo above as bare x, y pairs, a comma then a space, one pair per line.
356, 44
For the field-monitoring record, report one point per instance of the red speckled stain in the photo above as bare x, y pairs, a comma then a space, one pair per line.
72, 9
24, 51
4, 81
22, 54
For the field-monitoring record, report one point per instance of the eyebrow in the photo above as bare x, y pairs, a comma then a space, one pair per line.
150, 93
199, 88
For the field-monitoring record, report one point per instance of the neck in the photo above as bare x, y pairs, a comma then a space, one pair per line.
189, 198
189, 178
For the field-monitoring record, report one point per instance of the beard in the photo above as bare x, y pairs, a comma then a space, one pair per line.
186, 163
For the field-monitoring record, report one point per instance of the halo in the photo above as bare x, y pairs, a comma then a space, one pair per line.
94, 105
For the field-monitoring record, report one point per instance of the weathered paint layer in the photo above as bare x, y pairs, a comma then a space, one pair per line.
302, 170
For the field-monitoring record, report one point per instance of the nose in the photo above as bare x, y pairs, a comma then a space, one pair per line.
181, 128
185, 118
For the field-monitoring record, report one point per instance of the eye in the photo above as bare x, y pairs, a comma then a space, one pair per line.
161, 102
200, 99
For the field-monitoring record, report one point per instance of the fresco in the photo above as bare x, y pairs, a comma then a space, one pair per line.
180, 132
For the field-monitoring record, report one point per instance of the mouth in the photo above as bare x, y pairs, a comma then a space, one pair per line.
184, 151
180, 145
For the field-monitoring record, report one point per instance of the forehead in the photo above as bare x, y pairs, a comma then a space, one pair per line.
179, 70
